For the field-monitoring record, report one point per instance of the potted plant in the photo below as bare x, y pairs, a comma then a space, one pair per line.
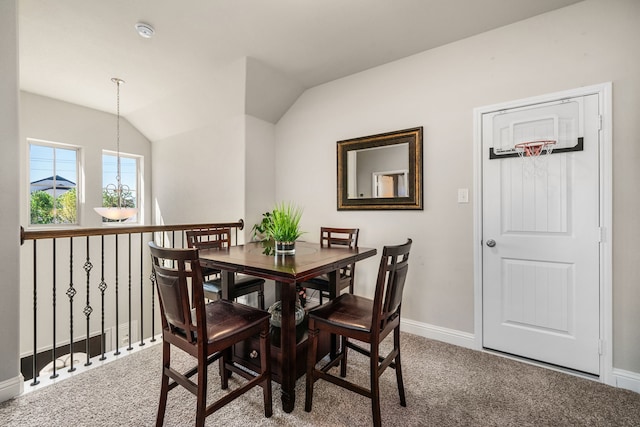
283, 226
278, 231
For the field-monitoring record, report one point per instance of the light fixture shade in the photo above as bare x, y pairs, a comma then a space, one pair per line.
116, 213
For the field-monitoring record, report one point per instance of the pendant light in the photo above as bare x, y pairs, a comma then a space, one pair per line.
117, 190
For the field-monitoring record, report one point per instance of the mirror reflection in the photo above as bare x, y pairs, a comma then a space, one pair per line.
379, 172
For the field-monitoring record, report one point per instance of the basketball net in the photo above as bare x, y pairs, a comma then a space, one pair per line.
533, 154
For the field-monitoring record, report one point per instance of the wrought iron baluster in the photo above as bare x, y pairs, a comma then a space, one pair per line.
129, 290
71, 292
35, 317
54, 374
87, 308
102, 286
117, 305
141, 290
152, 278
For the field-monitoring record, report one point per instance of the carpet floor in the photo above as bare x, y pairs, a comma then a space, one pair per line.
445, 385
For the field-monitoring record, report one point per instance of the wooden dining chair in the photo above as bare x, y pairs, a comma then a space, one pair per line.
336, 237
220, 238
205, 331
365, 320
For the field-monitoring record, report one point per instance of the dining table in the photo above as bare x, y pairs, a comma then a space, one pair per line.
310, 260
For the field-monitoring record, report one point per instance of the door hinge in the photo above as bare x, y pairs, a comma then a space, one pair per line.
601, 235
600, 347
600, 122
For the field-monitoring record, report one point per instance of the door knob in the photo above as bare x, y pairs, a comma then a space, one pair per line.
491, 243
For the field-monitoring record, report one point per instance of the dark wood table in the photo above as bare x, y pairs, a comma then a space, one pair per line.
310, 260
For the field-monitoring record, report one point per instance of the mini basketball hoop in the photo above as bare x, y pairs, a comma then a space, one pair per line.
534, 148
530, 152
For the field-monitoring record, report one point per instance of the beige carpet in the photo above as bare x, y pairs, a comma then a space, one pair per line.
445, 385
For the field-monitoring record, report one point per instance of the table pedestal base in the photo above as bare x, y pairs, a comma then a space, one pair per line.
247, 354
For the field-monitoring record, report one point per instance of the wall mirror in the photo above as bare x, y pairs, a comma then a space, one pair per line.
381, 171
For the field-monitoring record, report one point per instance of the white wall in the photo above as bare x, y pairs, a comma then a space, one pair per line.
260, 173
199, 174
10, 377
588, 43
260, 181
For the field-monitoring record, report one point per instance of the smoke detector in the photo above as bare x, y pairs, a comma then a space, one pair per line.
145, 30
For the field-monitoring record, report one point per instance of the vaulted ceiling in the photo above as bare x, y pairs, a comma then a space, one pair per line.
70, 49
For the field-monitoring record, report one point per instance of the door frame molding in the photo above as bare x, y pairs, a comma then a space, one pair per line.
604, 91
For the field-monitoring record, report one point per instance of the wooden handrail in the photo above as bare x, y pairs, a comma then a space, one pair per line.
104, 231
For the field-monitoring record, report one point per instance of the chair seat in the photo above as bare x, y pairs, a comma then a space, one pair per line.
347, 311
226, 318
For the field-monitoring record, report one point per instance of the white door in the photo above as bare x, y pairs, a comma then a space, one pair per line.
541, 234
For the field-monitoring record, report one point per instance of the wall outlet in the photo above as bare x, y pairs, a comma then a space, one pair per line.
123, 335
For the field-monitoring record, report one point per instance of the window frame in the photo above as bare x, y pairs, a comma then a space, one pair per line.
78, 179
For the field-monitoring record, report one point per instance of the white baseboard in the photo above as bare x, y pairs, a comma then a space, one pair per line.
626, 379
450, 336
11, 388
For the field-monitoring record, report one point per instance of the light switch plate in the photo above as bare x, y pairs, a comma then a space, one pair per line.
463, 195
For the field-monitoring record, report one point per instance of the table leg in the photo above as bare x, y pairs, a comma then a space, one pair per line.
333, 284
288, 345
227, 283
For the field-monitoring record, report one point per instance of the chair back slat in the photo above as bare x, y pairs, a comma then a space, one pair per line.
331, 236
392, 275
212, 238
175, 270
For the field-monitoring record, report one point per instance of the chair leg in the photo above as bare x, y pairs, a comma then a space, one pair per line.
164, 387
261, 299
396, 344
375, 385
312, 348
343, 361
265, 365
201, 397
225, 374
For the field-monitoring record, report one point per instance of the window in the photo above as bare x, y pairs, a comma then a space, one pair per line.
129, 170
53, 176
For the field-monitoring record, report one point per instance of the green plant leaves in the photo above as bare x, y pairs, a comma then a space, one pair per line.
282, 224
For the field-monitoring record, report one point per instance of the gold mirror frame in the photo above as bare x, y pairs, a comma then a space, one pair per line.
413, 200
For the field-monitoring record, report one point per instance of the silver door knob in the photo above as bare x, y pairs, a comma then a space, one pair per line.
491, 243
